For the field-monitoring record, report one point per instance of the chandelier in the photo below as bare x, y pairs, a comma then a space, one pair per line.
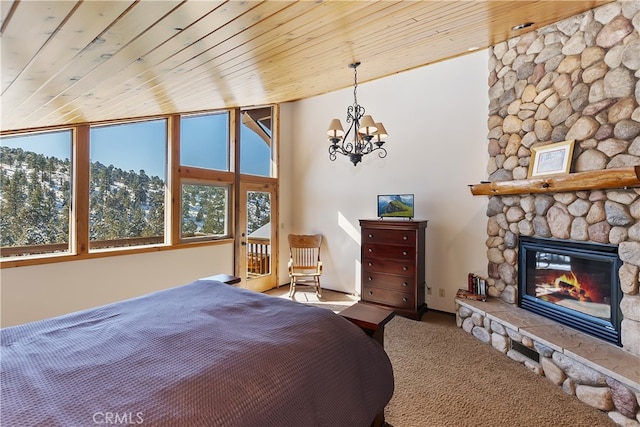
367, 134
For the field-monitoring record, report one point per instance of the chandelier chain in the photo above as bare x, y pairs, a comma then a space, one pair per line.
355, 85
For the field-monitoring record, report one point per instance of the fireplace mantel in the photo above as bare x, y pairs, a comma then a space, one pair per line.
628, 177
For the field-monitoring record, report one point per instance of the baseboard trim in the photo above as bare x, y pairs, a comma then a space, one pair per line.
441, 312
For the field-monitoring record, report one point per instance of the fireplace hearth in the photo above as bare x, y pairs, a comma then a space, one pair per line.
574, 283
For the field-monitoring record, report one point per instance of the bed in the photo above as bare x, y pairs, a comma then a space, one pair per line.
201, 354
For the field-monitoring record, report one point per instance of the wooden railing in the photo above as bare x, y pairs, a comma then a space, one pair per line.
13, 251
258, 255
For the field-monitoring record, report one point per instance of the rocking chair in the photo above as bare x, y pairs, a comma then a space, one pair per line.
305, 266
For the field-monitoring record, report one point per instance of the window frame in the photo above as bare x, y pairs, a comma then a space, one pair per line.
175, 177
201, 176
271, 144
51, 249
95, 246
229, 164
228, 214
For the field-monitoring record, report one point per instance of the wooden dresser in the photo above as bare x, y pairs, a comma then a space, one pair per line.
393, 265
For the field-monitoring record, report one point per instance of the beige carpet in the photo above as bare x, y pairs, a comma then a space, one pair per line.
446, 377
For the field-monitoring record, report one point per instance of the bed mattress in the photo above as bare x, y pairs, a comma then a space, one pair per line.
201, 354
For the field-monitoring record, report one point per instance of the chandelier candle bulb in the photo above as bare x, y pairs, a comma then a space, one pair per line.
380, 134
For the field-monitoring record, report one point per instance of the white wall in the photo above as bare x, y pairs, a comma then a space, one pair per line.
37, 292
287, 202
436, 117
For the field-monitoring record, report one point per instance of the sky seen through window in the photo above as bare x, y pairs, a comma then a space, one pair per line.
134, 146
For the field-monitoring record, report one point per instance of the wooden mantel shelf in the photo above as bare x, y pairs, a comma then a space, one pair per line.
628, 177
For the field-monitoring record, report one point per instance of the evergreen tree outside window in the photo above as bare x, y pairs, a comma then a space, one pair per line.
35, 193
127, 184
205, 211
123, 204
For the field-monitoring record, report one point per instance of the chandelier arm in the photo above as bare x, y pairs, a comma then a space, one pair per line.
338, 149
344, 148
371, 147
383, 152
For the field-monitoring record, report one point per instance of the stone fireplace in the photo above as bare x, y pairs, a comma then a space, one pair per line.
575, 80
574, 283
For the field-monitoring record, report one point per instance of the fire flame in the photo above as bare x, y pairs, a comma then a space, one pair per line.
572, 280
570, 286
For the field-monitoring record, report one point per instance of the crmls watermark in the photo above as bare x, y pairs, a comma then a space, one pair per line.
118, 418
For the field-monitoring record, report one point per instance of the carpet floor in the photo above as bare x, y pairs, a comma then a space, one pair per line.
446, 377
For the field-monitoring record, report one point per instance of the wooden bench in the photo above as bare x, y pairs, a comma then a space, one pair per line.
371, 318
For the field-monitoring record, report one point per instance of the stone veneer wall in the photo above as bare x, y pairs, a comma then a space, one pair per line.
576, 79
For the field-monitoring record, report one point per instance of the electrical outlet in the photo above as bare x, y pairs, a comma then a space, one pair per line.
442, 292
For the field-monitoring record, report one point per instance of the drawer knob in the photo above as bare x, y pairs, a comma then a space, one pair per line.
370, 278
404, 237
405, 268
405, 284
370, 292
370, 250
404, 253
370, 235
370, 264
404, 299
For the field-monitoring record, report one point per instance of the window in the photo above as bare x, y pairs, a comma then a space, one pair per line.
205, 141
205, 211
206, 187
127, 184
90, 189
35, 193
256, 142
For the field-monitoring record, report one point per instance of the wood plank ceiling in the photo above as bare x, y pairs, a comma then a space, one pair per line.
87, 61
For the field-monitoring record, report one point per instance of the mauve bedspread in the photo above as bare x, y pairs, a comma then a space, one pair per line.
202, 354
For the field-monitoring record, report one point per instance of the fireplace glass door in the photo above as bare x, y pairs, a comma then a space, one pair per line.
574, 283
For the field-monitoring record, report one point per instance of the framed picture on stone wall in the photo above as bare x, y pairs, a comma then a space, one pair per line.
551, 159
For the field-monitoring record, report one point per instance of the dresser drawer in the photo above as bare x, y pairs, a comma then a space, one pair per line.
391, 266
393, 260
388, 281
388, 251
387, 297
392, 237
